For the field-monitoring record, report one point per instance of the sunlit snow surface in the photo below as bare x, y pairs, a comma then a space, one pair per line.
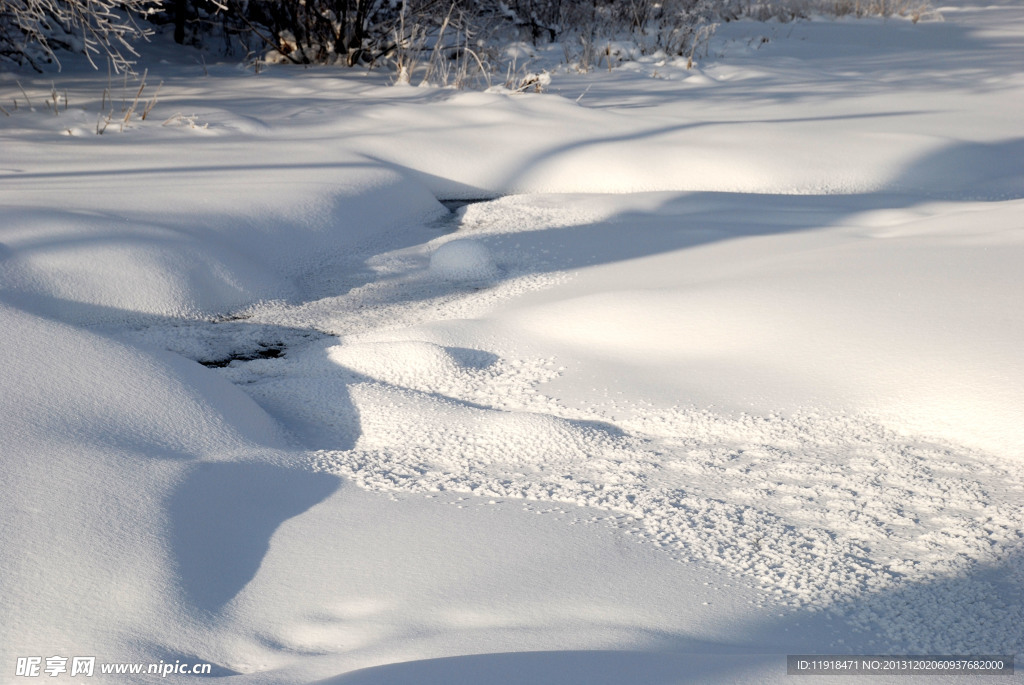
746, 336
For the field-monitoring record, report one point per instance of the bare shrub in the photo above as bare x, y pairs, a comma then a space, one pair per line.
788, 10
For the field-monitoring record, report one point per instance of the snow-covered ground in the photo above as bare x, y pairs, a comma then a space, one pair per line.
707, 367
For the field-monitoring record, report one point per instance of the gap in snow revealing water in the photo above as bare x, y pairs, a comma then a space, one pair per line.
449, 223
915, 541
454, 206
269, 352
219, 343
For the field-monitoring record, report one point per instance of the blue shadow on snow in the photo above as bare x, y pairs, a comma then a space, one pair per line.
223, 516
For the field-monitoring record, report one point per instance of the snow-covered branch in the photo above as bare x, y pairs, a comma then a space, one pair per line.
33, 31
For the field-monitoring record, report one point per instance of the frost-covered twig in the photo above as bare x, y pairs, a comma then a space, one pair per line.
32, 31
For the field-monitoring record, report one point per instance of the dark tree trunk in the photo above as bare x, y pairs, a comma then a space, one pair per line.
180, 8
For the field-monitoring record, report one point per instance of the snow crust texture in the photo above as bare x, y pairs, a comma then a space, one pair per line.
824, 509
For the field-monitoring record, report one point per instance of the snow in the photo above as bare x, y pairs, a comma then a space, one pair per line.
712, 366
463, 260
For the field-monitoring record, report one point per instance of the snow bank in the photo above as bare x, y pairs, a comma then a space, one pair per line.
96, 436
89, 269
204, 245
833, 378
884, 313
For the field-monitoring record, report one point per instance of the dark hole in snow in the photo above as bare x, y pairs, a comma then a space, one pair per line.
269, 352
450, 222
455, 205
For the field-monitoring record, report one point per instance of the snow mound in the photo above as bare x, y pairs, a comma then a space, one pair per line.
466, 435
88, 269
464, 259
408, 363
96, 435
112, 259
